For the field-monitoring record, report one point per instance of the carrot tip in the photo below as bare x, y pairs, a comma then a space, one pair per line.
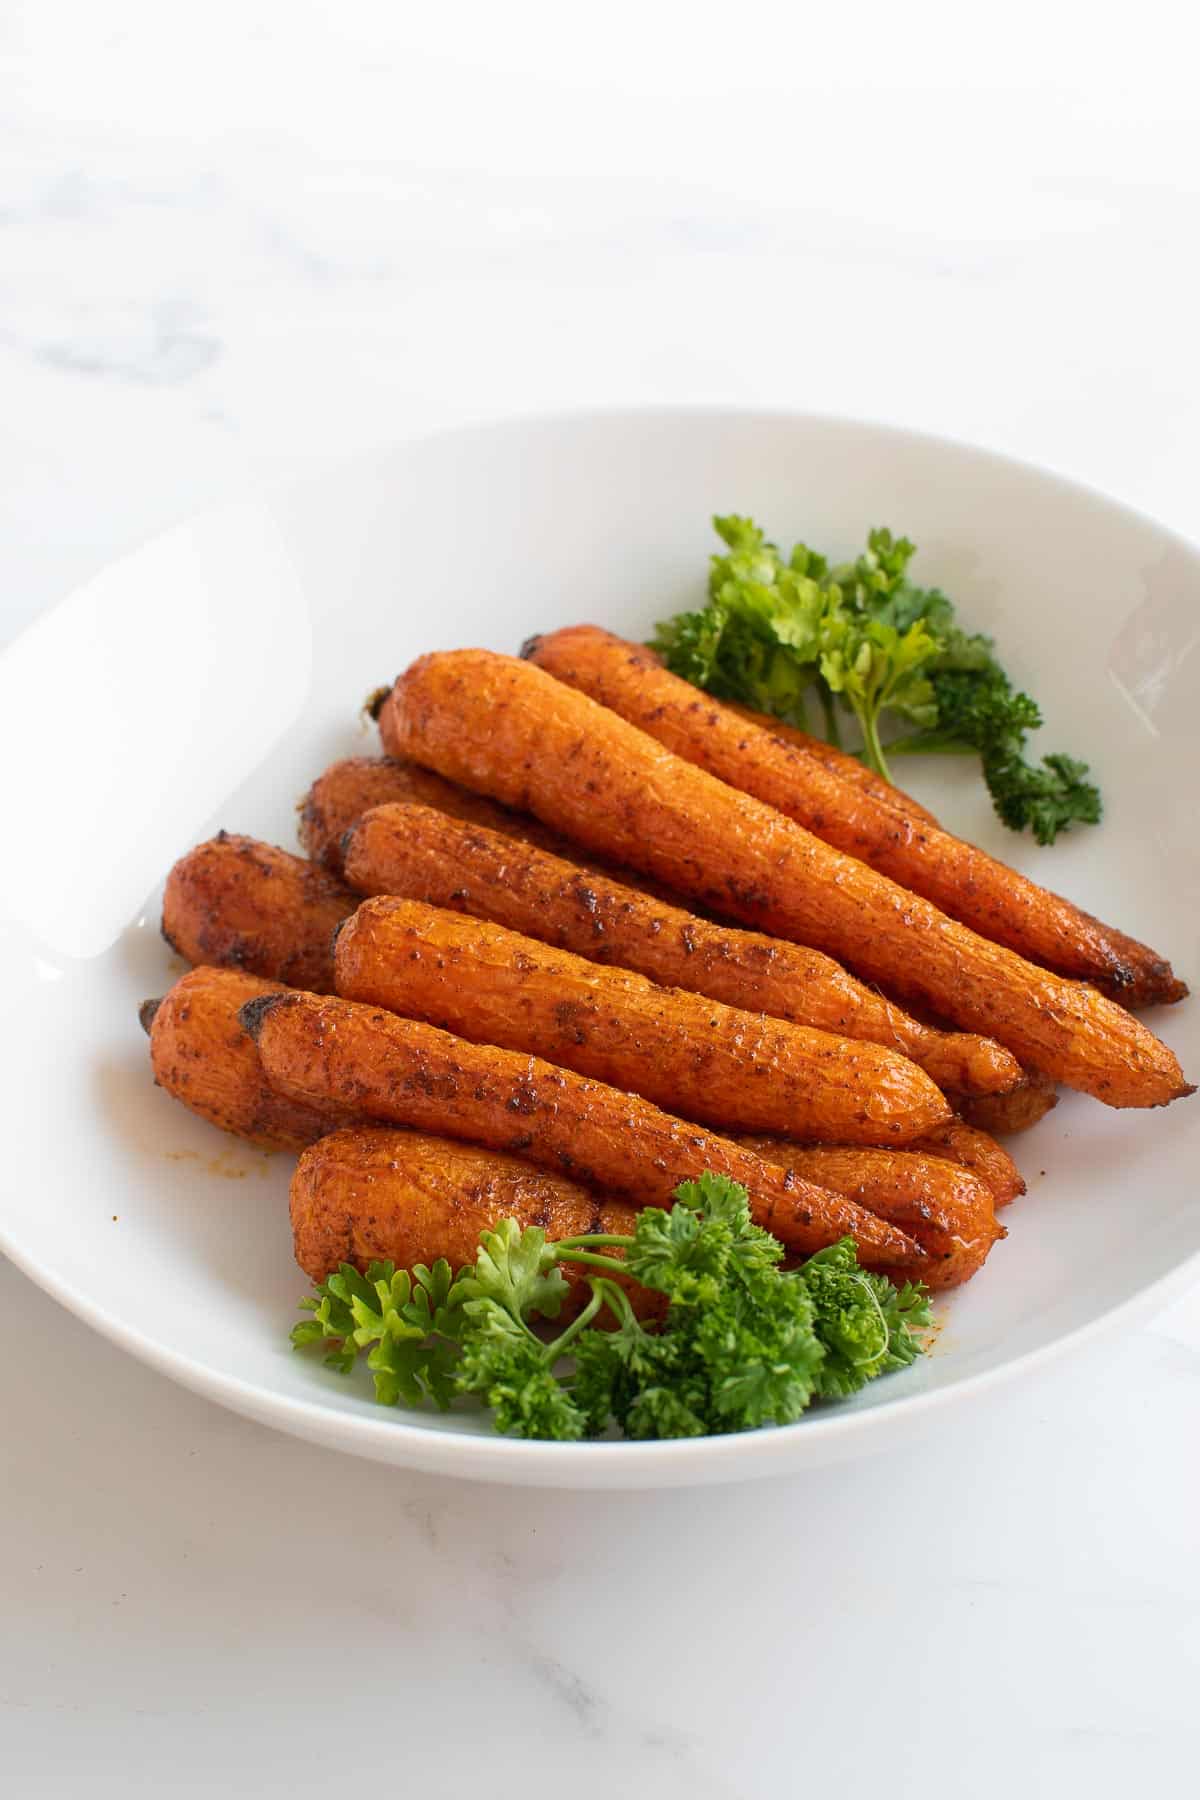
252, 1013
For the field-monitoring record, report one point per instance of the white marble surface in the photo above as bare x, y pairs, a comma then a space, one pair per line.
231, 250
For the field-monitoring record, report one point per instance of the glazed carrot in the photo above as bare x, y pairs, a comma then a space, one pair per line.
202, 1057
961, 879
242, 904
975, 1150
412, 851
359, 1192
949, 1206
370, 1194
339, 797
401, 1072
1003, 1114
509, 729
726, 1068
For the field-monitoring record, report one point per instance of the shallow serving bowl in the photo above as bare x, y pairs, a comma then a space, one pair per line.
205, 680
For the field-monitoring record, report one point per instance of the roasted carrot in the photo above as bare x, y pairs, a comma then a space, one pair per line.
242, 904
961, 879
340, 797
975, 1150
730, 1069
369, 1193
347, 789
401, 1072
201, 1056
420, 854
507, 728
950, 1207
836, 761
1003, 1114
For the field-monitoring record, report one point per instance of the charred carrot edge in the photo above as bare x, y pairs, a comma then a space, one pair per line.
400, 1072
370, 1193
201, 1057
726, 1068
950, 1208
1004, 1114
962, 880
236, 903
420, 854
507, 728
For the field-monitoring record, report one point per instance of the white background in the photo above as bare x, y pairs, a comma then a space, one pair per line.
237, 240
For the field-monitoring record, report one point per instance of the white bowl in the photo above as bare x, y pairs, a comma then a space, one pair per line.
204, 681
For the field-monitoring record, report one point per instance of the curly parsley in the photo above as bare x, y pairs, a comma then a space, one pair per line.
864, 635
740, 1343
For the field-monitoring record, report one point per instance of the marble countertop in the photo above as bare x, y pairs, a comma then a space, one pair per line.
229, 252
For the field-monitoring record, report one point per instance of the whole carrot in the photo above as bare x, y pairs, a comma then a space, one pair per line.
956, 1143
339, 797
368, 1193
730, 1069
951, 1207
422, 854
514, 732
331, 1052
237, 903
201, 1057
961, 879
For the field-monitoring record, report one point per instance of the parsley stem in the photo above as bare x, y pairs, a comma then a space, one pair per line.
833, 731
870, 730
917, 745
596, 1262
617, 1298
556, 1349
593, 1239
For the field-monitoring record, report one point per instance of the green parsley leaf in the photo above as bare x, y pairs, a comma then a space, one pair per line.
877, 668
664, 1412
865, 1325
510, 1372
742, 1344
401, 1318
864, 636
517, 1269
767, 1353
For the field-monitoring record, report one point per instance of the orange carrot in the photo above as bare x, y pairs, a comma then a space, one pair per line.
328, 1052
731, 1069
962, 880
948, 1205
423, 855
510, 730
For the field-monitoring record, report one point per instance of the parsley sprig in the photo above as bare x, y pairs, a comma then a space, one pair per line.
740, 1342
864, 635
